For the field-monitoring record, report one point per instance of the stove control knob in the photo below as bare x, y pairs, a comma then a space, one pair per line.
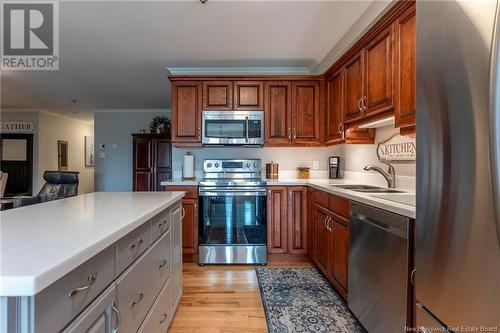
248, 165
209, 165
254, 164
216, 165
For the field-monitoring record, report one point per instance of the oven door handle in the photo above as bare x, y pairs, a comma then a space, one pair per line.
247, 123
233, 193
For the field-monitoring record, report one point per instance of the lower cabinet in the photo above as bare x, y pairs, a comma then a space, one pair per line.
176, 249
287, 220
322, 239
340, 254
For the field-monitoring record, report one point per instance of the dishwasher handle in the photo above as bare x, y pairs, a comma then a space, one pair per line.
400, 231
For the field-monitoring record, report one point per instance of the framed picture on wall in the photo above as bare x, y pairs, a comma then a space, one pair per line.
62, 155
89, 151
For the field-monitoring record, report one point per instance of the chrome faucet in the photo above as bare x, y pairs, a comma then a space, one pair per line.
390, 176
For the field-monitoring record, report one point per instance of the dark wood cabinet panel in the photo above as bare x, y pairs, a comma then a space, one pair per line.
186, 112
354, 83
379, 73
190, 226
248, 95
278, 113
277, 219
310, 222
297, 220
322, 239
405, 68
152, 161
218, 95
306, 112
340, 253
356, 135
335, 108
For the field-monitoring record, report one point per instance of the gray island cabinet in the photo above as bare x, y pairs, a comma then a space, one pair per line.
101, 262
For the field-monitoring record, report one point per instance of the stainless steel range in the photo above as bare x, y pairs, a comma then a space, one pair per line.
232, 228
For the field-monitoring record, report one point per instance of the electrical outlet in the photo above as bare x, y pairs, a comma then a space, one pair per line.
315, 165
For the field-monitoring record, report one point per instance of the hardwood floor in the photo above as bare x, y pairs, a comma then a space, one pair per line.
221, 299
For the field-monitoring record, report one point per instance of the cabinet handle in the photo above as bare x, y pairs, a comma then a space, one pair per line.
359, 106
90, 281
163, 263
136, 244
183, 213
165, 316
289, 133
294, 133
412, 277
339, 127
363, 102
161, 224
118, 317
138, 300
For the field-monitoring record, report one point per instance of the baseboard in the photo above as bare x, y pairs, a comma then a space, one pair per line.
278, 257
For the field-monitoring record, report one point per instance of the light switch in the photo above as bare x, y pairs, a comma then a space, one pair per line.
101, 146
315, 165
114, 146
102, 154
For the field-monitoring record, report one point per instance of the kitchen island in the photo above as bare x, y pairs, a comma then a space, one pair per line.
92, 261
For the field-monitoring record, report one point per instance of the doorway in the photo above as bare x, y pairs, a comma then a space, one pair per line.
16, 159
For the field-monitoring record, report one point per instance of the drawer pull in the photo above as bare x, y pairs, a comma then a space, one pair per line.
165, 316
136, 244
163, 263
118, 317
138, 300
183, 213
162, 224
90, 281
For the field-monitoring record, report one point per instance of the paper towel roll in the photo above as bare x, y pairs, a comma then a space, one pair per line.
188, 166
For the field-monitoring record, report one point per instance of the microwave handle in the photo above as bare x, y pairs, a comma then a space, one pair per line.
246, 127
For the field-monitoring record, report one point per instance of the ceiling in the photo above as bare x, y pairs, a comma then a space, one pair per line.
114, 54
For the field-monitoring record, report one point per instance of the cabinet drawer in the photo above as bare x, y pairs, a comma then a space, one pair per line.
159, 224
160, 315
321, 198
339, 205
130, 247
138, 287
191, 191
59, 303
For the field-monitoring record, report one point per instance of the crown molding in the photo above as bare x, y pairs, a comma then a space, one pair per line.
238, 70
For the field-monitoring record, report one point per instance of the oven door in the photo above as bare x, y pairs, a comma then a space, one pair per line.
232, 128
233, 218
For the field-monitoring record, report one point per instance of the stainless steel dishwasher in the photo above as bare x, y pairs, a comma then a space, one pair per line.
379, 251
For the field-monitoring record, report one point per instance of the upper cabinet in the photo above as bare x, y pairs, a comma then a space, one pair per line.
335, 108
248, 95
186, 112
233, 95
306, 112
278, 112
354, 83
405, 68
218, 95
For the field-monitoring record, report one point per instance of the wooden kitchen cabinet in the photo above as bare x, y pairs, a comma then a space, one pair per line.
340, 252
186, 113
277, 219
405, 69
322, 239
278, 112
297, 220
248, 95
310, 224
378, 87
335, 108
152, 161
218, 95
354, 84
306, 112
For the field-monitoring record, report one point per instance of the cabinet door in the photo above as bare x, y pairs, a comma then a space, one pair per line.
340, 254
190, 226
278, 113
322, 239
218, 95
277, 219
143, 164
335, 108
248, 95
405, 69
186, 112
354, 82
177, 230
297, 220
305, 112
379, 73
310, 222
163, 162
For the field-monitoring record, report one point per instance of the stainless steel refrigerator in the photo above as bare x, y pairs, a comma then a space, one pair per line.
458, 149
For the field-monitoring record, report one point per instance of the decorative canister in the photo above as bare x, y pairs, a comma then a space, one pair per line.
303, 172
272, 170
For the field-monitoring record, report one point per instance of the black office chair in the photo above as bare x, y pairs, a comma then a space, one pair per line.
59, 185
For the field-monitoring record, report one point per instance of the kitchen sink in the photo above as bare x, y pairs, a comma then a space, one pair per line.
367, 188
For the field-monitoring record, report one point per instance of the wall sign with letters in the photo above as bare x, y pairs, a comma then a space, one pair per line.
397, 148
16, 127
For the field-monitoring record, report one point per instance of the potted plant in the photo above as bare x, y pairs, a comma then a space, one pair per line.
160, 125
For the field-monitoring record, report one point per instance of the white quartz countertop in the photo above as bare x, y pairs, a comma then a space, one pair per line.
180, 182
41, 243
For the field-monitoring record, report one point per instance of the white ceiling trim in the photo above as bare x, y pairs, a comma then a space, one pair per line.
238, 70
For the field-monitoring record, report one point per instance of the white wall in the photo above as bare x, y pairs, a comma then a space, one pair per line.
49, 128
114, 171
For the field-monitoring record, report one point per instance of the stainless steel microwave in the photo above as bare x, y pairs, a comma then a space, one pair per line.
242, 128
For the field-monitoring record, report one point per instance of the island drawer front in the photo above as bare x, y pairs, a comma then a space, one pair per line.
160, 315
160, 223
160, 263
55, 308
137, 288
130, 247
